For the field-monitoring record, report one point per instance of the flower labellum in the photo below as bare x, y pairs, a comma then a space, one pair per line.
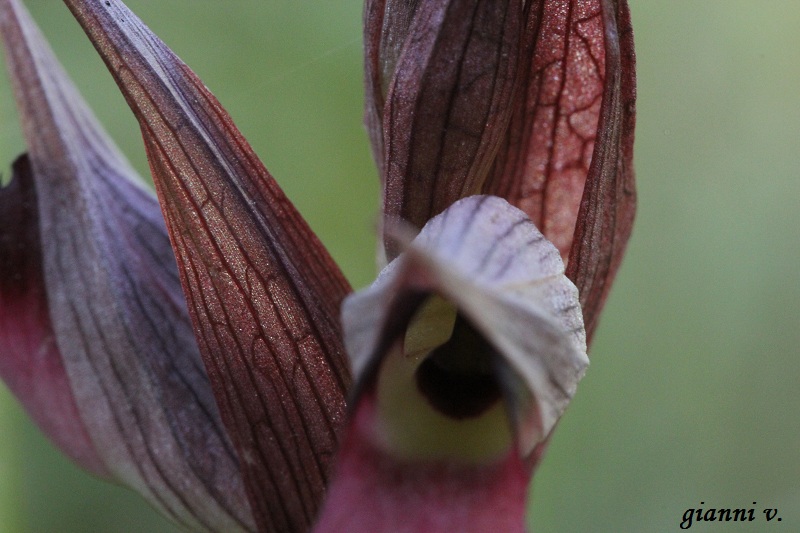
467, 349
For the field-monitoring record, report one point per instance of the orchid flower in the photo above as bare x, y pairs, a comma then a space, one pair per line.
215, 360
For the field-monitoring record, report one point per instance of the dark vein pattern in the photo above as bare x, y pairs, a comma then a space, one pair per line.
545, 161
608, 206
447, 105
117, 311
263, 293
567, 157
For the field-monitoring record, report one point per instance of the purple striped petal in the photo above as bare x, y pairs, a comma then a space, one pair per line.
115, 305
30, 361
263, 292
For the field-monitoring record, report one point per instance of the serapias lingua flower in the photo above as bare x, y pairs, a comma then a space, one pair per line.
503, 133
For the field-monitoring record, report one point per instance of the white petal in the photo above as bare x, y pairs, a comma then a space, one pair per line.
489, 260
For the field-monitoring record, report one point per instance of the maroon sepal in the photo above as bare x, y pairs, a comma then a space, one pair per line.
441, 76
567, 157
263, 292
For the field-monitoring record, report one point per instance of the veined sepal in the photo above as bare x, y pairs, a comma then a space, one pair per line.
95, 337
263, 293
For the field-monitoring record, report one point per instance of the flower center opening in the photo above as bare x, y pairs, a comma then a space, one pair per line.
438, 394
458, 378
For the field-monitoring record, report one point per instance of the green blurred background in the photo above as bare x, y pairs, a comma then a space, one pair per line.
693, 391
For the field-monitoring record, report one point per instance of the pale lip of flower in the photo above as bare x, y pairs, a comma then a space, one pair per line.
468, 348
226, 414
